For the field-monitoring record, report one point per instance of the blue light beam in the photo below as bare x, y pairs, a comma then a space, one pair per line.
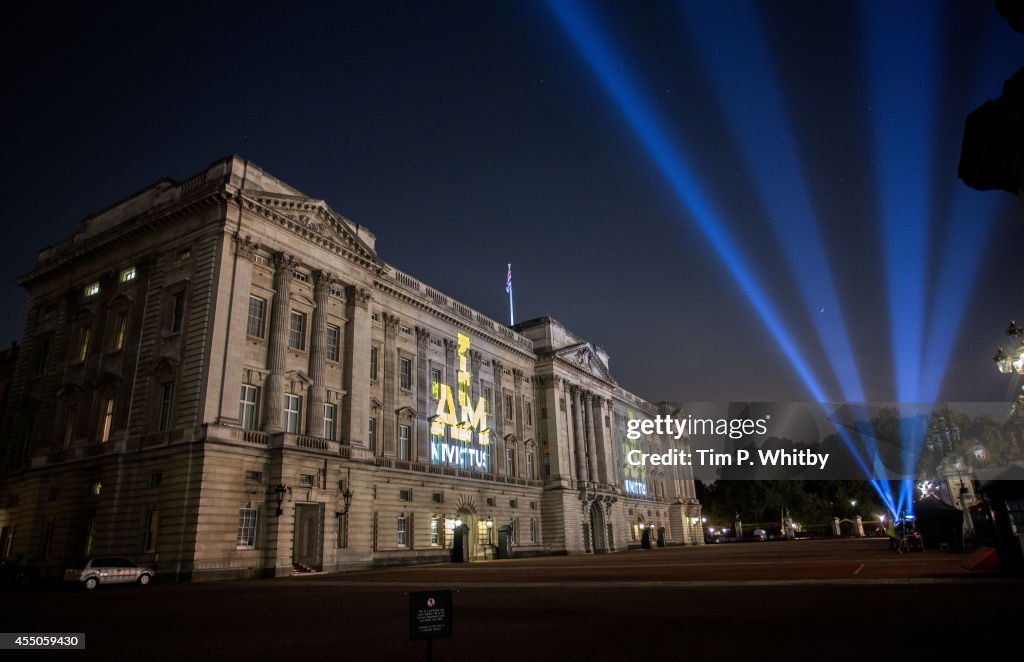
605, 63
748, 91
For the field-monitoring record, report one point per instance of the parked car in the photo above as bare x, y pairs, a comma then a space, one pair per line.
760, 535
109, 570
13, 575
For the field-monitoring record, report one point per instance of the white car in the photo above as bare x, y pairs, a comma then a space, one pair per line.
760, 535
109, 570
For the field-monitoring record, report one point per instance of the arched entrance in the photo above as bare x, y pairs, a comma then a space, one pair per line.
466, 526
638, 528
598, 528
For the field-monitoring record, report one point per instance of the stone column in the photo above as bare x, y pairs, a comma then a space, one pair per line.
423, 410
498, 405
837, 530
578, 433
603, 445
518, 407
589, 401
318, 356
277, 346
390, 360
356, 367
858, 524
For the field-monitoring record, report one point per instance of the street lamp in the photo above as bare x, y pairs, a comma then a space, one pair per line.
1012, 361
347, 497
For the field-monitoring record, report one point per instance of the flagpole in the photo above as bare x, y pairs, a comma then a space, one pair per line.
508, 288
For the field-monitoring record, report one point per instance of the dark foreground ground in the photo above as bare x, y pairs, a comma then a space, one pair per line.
845, 599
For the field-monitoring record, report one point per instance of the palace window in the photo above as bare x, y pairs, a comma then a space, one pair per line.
403, 442
120, 331
405, 374
297, 331
435, 532
529, 465
488, 404
177, 312
371, 439
82, 347
333, 338
373, 363
106, 419
127, 275
247, 519
403, 531
330, 416
435, 383
248, 402
510, 461
508, 407
292, 411
257, 317
166, 398
528, 412
92, 289
150, 520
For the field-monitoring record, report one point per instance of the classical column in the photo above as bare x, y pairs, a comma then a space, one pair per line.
589, 401
423, 410
498, 403
602, 410
578, 433
356, 367
277, 347
317, 356
517, 406
391, 376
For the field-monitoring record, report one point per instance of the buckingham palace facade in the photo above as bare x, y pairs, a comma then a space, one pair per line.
220, 378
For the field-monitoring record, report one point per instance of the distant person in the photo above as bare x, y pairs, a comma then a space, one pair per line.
890, 531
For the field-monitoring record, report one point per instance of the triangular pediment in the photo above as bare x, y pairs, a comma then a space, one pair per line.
313, 219
583, 357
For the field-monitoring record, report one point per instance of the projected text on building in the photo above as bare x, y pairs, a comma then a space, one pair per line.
460, 436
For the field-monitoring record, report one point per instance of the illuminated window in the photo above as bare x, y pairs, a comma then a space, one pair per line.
508, 407
150, 521
330, 415
247, 518
488, 404
371, 439
257, 317
403, 442
403, 531
292, 409
247, 406
166, 398
128, 275
373, 363
529, 465
405, 374
297, 331
185, 254
82, 348
120, 331
177, 312
333, 338
435, 383
92, 289
435, 532
106, 419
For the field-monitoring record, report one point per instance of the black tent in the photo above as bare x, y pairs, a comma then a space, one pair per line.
939, 523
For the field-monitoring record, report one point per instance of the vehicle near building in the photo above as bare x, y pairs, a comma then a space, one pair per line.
109, 570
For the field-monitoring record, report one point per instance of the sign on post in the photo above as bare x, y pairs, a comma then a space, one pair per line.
430, 614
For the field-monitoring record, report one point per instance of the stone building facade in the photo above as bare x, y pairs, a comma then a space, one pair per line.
221, 378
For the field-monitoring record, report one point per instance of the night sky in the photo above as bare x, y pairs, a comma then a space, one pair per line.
478, 133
